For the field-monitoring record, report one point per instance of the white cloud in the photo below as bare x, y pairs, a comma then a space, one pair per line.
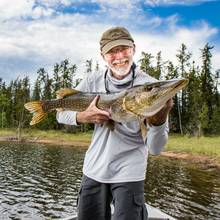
43, 43
54, 3
8, 8
170, 41
40, 11
26, 45
154, 3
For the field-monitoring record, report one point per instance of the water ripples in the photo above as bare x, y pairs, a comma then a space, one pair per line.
38, 182
185, 191
42, 182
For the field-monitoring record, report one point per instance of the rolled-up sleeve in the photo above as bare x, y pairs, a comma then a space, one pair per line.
157, 138
66, 117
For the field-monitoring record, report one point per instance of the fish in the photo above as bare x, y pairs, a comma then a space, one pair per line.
138, 102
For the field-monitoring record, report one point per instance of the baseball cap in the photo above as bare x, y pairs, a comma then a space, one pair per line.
115, 36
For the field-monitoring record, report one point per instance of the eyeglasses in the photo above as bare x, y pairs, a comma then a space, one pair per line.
113, 52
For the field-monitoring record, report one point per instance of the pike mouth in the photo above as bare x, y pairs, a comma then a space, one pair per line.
181, 84
176, 87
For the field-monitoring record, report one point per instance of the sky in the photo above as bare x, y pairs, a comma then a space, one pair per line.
40, 33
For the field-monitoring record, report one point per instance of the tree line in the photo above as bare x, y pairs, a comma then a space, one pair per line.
196, 109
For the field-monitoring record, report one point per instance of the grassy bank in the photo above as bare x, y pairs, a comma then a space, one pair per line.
207, 146
204, 146
34, 134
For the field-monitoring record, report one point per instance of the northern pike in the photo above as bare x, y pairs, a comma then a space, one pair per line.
134, 103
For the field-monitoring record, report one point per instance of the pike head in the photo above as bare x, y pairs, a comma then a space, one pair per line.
148, 99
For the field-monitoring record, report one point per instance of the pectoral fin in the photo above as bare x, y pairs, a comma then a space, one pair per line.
62, 93
144, 129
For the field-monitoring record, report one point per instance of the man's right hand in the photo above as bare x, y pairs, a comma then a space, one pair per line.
92, 114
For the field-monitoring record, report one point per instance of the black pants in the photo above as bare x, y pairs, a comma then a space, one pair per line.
95, 199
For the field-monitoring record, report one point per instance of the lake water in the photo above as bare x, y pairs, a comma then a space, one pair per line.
42, 181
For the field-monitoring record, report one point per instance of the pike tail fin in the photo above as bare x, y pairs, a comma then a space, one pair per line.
36, 109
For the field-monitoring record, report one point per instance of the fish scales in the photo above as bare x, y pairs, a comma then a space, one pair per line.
135, 103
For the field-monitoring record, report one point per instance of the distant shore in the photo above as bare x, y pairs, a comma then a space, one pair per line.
204, 150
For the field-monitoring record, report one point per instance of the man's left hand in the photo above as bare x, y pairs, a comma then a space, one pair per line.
160, 117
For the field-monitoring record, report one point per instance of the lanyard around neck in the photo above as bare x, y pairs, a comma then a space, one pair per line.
128, 83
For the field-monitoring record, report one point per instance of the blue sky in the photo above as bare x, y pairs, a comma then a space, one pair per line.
40, 33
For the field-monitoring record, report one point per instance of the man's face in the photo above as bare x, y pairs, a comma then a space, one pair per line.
119, 60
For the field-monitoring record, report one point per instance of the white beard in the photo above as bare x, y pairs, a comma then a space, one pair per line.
121, 71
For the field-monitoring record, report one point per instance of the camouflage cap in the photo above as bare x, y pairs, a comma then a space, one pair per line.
113, 37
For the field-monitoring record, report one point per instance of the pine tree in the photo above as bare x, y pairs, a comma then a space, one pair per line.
215, 121
174, 115
183, 58
193, 106
56, 79
97, 66
207, 88
4, 104
146, 65
158, 69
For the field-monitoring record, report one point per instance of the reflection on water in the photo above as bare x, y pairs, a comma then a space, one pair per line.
41, 182
183, 190
38, 181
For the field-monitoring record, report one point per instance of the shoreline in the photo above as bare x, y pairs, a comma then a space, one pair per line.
206, 161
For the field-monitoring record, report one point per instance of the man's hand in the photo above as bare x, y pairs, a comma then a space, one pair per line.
92, 114
160, 117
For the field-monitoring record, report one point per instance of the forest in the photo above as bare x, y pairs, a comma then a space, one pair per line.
196, 110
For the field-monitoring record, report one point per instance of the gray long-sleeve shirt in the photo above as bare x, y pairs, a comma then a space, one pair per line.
119, 155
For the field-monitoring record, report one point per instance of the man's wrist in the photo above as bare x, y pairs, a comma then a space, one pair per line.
78, 118
156, 121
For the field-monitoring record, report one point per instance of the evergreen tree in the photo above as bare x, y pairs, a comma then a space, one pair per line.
56, 79
88, 66
193, 105
158, 69
67, 73
207, 88
47, 89
36, 91
174, 115
215, 121
146, 65
183, 58
4, 104
97, 66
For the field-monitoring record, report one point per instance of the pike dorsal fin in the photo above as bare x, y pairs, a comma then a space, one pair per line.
62, 93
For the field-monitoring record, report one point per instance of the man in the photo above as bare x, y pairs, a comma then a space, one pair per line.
115, 163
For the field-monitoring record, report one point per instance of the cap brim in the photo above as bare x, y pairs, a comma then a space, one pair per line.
120, 42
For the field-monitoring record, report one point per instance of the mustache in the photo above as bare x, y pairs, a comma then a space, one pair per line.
120, 61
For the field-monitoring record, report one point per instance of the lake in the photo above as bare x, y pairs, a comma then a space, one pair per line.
41, 182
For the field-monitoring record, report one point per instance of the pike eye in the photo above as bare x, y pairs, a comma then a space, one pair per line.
149, 88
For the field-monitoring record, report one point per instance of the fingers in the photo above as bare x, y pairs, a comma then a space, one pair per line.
59, 109
100, 119
169, 104
98, 111
160, 117
95, 101
93, 114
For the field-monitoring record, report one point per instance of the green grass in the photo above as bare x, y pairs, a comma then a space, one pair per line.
49, 134
208, 146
